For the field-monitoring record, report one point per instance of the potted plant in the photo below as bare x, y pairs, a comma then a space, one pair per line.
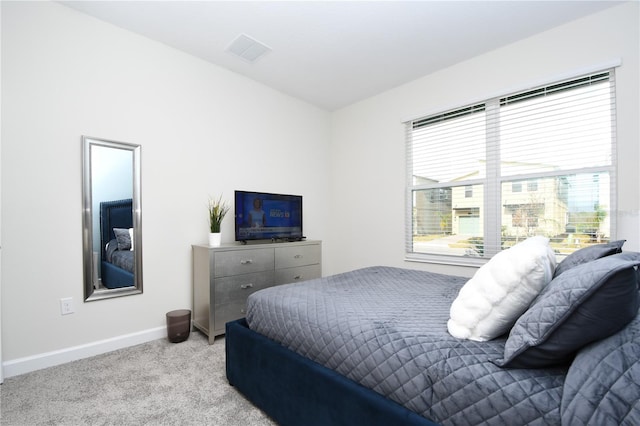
217, 211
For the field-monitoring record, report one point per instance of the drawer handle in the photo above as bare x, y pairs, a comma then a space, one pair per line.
298, 256
246, 262
297, 277
242, 311
245, 286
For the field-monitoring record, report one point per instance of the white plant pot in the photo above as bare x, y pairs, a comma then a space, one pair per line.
214, 239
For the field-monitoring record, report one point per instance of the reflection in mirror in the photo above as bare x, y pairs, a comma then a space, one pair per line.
112, 232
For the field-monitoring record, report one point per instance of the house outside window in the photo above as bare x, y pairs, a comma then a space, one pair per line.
489, 175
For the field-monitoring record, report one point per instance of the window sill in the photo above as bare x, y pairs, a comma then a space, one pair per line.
467, 261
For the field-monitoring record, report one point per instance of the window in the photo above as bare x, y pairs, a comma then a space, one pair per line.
468, 191
539, 162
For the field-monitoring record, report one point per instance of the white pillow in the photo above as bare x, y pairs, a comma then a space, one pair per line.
131, 236
489, 304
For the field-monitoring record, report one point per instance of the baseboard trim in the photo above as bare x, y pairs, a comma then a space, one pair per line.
28, 364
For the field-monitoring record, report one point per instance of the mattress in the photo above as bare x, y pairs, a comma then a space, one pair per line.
385, 328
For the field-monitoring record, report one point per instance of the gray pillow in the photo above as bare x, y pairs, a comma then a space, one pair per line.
601, 387
588, 254
123, 238
586, 303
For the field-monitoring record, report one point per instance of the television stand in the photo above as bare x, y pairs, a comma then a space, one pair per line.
224, 276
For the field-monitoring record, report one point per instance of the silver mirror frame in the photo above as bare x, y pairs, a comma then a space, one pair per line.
90, 293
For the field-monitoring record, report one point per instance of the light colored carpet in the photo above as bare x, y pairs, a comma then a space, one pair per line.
156, 383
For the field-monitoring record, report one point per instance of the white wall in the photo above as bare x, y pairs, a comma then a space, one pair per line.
203, 130
367, 144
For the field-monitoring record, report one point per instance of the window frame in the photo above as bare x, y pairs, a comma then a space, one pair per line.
493, 209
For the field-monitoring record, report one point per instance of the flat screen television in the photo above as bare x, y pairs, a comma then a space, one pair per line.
265, 216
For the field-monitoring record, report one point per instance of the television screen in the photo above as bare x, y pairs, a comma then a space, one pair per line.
263, 216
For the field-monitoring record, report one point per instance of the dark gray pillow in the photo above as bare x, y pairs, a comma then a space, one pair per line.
601, 387
586, 303
123, 238
588, 254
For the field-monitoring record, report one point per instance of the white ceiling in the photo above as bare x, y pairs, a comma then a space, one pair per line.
334, 53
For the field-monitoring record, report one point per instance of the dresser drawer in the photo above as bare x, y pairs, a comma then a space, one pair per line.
229, 312
289, 257
301, 273
242, 262
239, 287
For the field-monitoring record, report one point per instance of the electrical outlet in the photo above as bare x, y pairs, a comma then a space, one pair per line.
66, 306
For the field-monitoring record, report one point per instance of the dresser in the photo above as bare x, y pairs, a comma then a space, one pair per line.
223, 277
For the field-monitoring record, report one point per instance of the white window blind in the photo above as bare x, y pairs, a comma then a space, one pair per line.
540, 162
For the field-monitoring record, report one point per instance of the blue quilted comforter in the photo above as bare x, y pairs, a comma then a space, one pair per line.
385, 328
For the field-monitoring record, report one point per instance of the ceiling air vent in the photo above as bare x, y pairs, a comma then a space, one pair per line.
247, 48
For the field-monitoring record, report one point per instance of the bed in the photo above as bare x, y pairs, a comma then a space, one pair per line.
372, 346
117, 255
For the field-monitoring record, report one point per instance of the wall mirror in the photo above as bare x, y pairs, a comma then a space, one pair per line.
111, 221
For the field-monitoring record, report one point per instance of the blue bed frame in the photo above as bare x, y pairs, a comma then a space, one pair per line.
294, 390
114, 214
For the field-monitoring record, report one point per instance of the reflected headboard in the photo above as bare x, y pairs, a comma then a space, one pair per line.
114, 214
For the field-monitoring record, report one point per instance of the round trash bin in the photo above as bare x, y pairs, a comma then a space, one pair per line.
178, 325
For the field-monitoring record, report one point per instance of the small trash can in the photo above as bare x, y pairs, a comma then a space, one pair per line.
178, 325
